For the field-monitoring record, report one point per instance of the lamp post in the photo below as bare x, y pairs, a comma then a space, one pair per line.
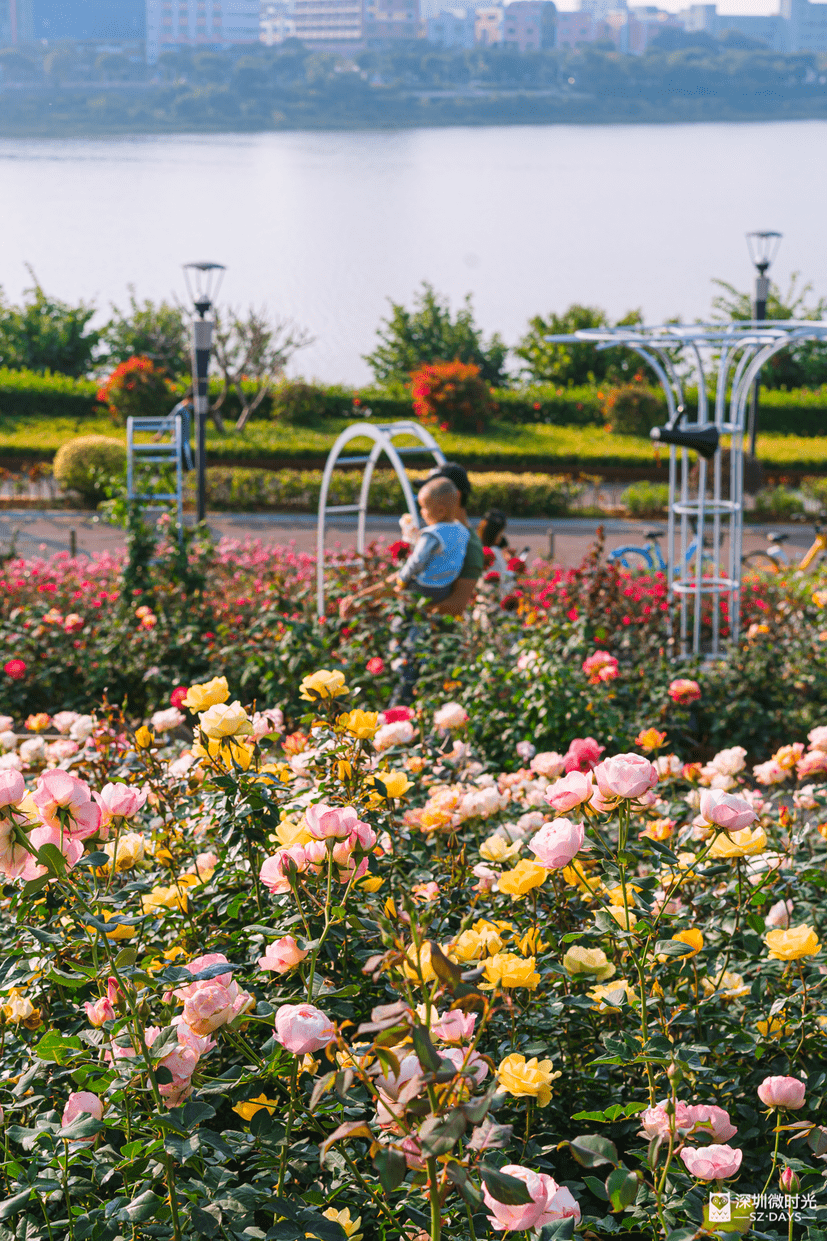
763, 248
203, 282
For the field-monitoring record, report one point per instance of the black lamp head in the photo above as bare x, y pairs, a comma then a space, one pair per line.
703, 440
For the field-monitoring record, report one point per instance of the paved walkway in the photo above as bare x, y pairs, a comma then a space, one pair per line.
47, 532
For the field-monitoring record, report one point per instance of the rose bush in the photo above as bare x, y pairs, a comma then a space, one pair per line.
260, 982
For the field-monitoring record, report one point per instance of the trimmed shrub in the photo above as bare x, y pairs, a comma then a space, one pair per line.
634, 409
451, 396
87, 463
518, 495
136, 388
297, 403
646, 499
779, 502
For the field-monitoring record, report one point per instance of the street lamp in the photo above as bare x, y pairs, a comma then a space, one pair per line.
203, 282
763, 248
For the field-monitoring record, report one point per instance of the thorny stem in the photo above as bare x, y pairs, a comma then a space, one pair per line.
285, 1150
436, 1212
774, 1153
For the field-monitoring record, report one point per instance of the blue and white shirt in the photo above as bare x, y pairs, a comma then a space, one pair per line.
437, 557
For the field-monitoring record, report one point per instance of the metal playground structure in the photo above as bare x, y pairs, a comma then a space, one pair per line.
382, 436
723, 362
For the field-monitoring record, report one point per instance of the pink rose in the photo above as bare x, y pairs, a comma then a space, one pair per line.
452, 715
324, 822
726, 810
99, 1011
454, 1026
209, 1006
302, 1028
817, 738
683, 690
561, 1204
543, 1190
181, 1063
122, 800
583, 754
601, 666
812, 764
714, 1121
82, 1103
625, 775
57, 791
12, 788
71, 848
282, 956
198, 964
779, 916
712, 1163
549, 764
571, 791
783, 1092
470, 1062
656, 1120
275, 870
557, 843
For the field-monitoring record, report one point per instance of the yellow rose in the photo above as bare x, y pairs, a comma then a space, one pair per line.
19, 1010
746, 843
173, 897
580, 878
484, 938
418, 966
775, 1028
527, 1079
731, 985
127, 851
360, 724
495, 849
371, 883
276, 771
525, 876
323, 684
531, 943
820, 598
200, 697
590, 961
693, 938
249, 1107
343, 1218
119, 931
610, 995
615, 895
143, 738
798, 941
509, 970
622, 916
289, 832
227, 719
788, 756
396, 784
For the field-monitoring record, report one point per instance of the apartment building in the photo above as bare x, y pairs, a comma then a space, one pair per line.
277, 22
386, 20
174, 24
530, 25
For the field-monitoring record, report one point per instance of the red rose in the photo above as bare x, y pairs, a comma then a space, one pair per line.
15, 669
375, 666
178, 695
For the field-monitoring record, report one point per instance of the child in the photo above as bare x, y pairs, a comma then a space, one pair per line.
436, 560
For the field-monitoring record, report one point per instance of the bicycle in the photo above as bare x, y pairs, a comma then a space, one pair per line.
775, 558
650, 556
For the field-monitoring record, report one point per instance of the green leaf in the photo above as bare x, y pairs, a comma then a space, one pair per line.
57, 1048
205, 1223
597, 1187
126, 958
11, 1206
446, 970
144, 1207
441, 1137
391, 1168
458, 1176
558, 1230
590, 1150
672, 948
622, 1187
31, 889
505, 1188
425, 1050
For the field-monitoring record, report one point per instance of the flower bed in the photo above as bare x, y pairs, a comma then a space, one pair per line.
350, 980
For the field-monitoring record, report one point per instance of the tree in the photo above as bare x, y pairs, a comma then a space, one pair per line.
156, 330
572, 364
803, 365
428, 333
45, 334
251, 353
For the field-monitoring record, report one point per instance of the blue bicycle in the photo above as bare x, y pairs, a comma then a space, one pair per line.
650, 556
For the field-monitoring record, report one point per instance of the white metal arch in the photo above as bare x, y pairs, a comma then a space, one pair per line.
383, 436
737, 351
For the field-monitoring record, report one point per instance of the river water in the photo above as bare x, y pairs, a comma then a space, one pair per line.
324, 227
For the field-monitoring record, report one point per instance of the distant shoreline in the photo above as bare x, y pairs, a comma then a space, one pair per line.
59, 116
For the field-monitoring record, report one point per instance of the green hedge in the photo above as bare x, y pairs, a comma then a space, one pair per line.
26, 393
246, 490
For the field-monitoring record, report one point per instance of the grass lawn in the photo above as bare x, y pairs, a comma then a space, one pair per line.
545, 448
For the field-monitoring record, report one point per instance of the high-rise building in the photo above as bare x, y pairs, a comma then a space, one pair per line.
16, 25
173, 24
329, 23
804, 26
277, 22
116, 20
452, 28
386, 20
530, 25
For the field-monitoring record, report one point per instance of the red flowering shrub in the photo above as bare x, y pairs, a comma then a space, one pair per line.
138, 389
451, 396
